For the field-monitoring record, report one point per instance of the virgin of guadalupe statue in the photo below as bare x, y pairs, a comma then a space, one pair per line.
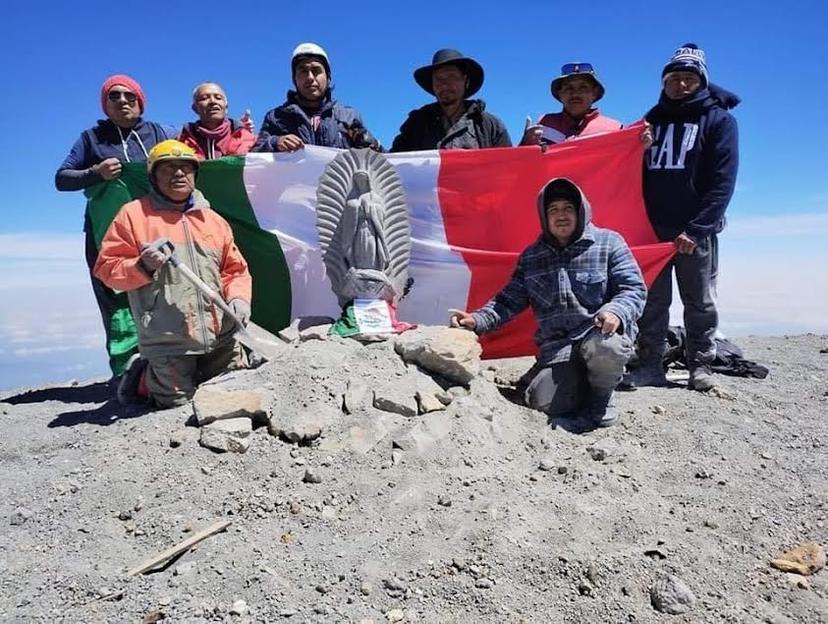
363, 226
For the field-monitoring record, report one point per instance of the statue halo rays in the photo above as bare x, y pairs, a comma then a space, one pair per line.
363, 225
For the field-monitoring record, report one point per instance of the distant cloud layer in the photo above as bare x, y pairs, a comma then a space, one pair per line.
773, 281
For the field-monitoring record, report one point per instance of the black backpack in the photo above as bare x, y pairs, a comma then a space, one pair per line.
729, 357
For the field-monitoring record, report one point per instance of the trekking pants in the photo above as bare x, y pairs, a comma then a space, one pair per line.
693, 274
596, 367
172, 380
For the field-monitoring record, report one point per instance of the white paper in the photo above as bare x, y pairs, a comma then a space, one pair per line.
372, 316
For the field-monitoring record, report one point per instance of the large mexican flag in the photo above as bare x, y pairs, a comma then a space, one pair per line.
472, 213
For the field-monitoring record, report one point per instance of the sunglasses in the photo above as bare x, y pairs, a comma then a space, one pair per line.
115, 96
173, 166
577, 68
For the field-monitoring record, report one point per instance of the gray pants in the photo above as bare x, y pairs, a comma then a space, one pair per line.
596, 367
172, 380
694, 273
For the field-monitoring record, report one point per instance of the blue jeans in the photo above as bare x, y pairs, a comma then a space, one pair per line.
694, 273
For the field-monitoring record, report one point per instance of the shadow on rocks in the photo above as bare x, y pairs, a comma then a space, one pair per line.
512, 394
106, 414
572, 423
91, 393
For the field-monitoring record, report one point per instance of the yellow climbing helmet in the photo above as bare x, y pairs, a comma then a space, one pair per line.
170, 150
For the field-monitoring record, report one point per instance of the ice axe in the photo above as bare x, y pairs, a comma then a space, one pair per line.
265, 345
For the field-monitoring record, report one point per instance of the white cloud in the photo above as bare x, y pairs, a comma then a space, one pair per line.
772, 282
41, 246
777, 226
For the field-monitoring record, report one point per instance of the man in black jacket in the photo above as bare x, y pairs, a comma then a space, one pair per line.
453, 121
689, 177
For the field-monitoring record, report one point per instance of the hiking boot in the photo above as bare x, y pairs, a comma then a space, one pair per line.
649, 374
599, 409
701, 378
128, 386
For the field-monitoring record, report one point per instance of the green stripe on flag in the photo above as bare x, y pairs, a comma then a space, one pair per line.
222, 182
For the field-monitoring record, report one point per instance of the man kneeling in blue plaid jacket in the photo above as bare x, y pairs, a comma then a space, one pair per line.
587, 293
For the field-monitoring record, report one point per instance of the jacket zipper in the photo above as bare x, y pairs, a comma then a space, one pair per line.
201, 311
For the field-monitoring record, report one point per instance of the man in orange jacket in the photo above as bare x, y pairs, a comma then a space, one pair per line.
183, 338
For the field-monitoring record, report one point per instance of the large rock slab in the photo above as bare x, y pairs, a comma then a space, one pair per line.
316, 332
212, 403
805, 559
230, 435
396, 399
302, 426
421, 438
428, 402
357, 395
446, 351
293, 332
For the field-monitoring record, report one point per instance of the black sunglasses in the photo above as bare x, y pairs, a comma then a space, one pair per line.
115, 96
577, 68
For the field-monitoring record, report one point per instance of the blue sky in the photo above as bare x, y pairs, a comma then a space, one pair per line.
770, 54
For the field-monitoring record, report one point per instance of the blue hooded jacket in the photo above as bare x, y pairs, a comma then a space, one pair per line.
104, 141
336, 120
690, 169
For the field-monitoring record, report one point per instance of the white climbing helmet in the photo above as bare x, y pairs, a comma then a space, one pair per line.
309, 49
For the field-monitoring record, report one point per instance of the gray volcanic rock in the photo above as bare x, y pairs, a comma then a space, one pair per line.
481, 512
669, 594
451, 353
227, 435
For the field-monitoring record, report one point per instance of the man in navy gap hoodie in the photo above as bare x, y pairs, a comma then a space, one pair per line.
689, 177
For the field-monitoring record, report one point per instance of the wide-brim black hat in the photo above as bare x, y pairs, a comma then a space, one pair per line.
447, 56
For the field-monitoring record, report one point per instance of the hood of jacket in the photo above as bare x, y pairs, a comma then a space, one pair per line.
109, 129
583, 207
702, 100
292, 102
197, 201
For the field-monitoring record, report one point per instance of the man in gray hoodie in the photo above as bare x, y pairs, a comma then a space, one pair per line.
587, 293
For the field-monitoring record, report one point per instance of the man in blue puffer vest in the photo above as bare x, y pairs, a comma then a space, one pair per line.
689, 178
310, 116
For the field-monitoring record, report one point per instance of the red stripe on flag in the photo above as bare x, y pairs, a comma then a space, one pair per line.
488, 199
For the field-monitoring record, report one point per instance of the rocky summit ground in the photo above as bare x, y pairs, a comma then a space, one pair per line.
478, 511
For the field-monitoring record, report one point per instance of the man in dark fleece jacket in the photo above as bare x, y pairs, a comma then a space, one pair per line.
124, 136
310, 115
587, 293
689, 177
453, 121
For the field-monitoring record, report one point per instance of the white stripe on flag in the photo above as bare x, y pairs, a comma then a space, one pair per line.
281, 189
441, 277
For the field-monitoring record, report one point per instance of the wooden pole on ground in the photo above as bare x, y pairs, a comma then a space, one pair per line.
216, 527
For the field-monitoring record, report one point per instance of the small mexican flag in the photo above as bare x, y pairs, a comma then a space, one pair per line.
472, 213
